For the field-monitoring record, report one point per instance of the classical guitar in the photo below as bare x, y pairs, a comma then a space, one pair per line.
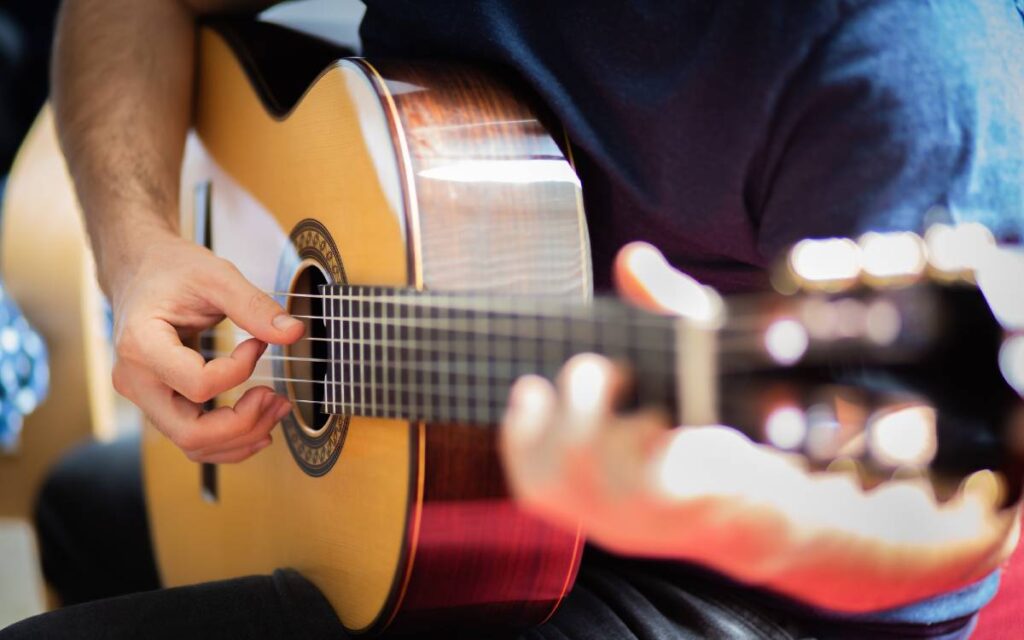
429, 227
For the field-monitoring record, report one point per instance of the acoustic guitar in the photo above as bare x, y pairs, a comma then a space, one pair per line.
427, 224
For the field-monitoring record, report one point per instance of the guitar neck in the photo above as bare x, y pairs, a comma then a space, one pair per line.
453, 358
444, 357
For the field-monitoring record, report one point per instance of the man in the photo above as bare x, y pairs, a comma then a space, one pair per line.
722, 131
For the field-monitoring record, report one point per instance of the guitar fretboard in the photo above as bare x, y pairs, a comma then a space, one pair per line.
453, 358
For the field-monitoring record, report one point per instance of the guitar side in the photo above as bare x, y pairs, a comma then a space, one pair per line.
398, 524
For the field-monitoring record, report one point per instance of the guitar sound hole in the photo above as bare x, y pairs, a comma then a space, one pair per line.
307, 361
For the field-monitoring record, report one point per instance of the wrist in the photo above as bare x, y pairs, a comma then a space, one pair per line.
121, 249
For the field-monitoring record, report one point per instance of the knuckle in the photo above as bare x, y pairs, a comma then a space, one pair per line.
125, 344
197, 391
187, 441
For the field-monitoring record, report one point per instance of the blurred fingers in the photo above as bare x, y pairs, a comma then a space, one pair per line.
644, 277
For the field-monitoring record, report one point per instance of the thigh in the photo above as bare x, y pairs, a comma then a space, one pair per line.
92, 527
283, 605
616, 599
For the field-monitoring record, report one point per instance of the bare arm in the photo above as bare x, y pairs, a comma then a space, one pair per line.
122, 89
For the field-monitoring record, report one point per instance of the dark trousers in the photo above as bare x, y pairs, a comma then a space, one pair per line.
95, 549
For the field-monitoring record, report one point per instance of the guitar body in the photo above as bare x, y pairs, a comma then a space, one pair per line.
400, 175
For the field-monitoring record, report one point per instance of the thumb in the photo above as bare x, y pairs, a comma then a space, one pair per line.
644, 278
252, 309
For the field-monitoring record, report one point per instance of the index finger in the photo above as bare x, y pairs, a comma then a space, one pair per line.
251, 308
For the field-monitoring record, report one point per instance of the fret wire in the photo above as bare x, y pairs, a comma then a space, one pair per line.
373, 363
347, 348
330, 348
428, 382
388, 401
482, 346
337, 366
399, 361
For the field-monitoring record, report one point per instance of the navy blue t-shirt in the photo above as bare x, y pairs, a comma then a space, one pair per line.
724, 130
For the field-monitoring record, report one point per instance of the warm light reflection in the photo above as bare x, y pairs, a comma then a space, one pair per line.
503, 171
786, 341
893, 256
904, 436
786, 428
1011, 362
953, 249
852, 318
883, 323
823, 432
823, 261
1000, 276
821, 318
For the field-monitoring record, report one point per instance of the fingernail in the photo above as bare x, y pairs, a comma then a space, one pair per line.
283, 410
588, 383
265, 402
528, 411
285, 322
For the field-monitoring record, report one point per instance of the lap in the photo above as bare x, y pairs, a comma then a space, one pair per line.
92, 525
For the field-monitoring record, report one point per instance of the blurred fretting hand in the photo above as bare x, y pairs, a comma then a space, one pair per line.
710, 495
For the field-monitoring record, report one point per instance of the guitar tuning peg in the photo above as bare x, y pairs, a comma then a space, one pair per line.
786, 428
830, 264
907, 472
955, 251
988, 487
892, 259
1011, 362
999, 274
903, 436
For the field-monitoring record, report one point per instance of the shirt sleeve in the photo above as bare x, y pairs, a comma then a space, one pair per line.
901, 109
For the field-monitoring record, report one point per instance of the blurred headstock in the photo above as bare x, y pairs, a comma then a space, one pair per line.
894, 353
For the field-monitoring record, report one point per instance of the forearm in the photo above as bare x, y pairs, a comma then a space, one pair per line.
122, 92
122, 89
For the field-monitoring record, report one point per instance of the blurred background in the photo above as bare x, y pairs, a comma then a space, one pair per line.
26, 30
